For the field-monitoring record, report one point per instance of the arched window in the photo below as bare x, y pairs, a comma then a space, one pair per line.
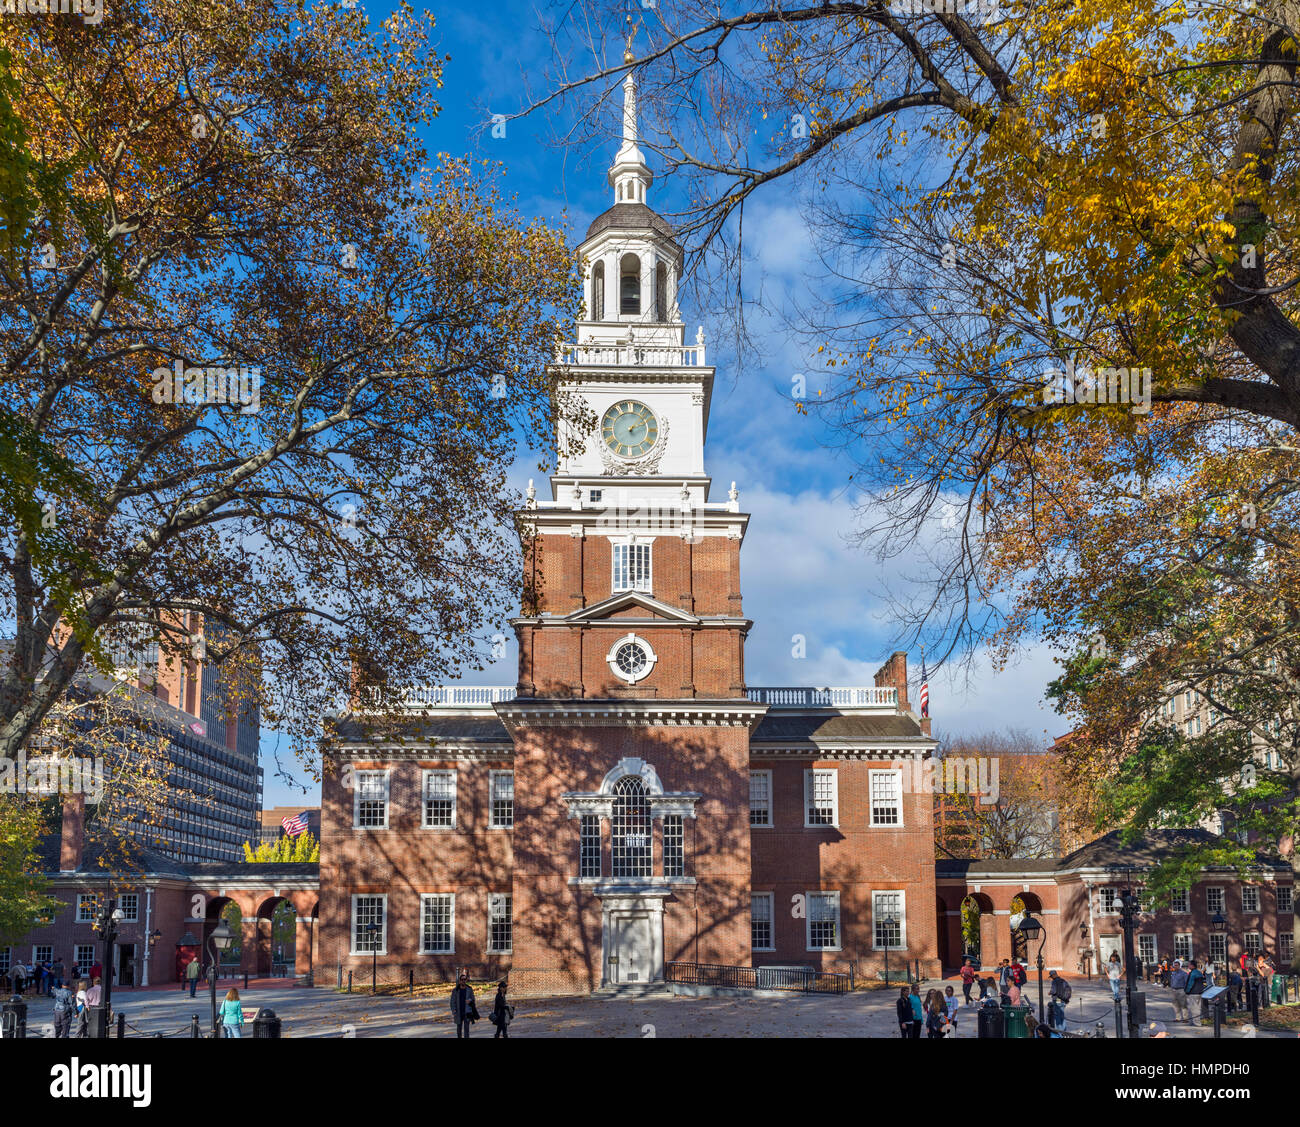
630, 284
598, 292
630, 834
661, 292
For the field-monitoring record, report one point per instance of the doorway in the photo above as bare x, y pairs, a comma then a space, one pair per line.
631, 949
126, 964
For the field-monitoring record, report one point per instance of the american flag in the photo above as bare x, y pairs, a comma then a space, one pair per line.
295, 826
925, 691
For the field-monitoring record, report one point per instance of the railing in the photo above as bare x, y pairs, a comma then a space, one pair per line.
859, 697
803, 980
456, 696
618, 356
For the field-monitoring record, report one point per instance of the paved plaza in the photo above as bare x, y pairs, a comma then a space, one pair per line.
325, 1012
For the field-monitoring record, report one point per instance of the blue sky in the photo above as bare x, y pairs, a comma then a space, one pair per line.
799, 572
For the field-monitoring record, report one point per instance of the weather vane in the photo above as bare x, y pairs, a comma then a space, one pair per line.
631, 34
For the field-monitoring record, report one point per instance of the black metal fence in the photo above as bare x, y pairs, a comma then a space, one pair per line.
802, 980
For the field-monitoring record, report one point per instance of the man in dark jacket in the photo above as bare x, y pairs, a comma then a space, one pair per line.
1060, 995
463, 1010
904, 1008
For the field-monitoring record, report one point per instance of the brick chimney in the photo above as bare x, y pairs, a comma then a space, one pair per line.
73, 841
893, 674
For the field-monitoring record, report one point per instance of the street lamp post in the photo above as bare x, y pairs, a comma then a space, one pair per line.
372, 929
1031, 928
106, 925
1129, 907
220, 940
1220, 925
888, 924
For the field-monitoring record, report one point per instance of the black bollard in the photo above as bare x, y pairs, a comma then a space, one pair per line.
121, 1026
410, 981
1254, 1001
1119, 1020
349, 982
194, 1026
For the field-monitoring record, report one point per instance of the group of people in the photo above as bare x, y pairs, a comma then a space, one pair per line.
43, 977
936, 1012
464, 1011
1187, 981
1010, 981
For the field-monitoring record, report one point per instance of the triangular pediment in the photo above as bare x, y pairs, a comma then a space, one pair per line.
640, 605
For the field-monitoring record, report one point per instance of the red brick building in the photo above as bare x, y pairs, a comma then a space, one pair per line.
632, 801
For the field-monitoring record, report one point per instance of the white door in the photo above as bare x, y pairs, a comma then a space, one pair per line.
632, 946
1109, 943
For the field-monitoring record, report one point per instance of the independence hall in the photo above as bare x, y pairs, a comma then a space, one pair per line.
632, 801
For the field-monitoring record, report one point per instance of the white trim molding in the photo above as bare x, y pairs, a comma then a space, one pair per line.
631, 639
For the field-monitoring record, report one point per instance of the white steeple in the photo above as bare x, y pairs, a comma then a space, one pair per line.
629, 175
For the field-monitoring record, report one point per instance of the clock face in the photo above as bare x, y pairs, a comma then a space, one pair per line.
630, 429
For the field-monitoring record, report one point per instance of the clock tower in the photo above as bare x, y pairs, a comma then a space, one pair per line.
631, 723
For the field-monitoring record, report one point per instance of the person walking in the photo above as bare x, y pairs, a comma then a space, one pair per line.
63, 1009
57, 972
1265, 969
463, 1010
231, 1014
192, 975
1004, 980
1115, 973
918, 1011
82, 1013
936, 1014
950, 1001
967, 979
1060, 994
1195, 988
18, 975
503, 1013
1234, 988
1178, 990
903, 1007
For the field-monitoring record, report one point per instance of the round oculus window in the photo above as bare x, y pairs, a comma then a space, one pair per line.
631, 659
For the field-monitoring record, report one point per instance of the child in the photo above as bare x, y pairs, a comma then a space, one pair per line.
950, 1000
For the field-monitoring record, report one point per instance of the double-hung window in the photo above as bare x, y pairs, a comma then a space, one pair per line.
760, 921
503, 800
821, 797
438, 923
886, 798
440, 800
823, 921
760, 798
500, 924
370, 811
632, 567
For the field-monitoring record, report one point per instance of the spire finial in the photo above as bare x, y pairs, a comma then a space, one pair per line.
628, 56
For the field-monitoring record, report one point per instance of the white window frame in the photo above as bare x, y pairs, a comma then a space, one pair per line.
611, 658
1255, 948
808, 920
1246, 909
1115, 905
38, 958
1181, 901
427, 774
450, 897
1223, 899
902, 917
356, 797
382, 897
771, 919
1218, 947
132, 917
492, 899
629, 546
84, 899
1155, 953
1187, 935
1285, 948
492, 798
809, 791
1289, 890
871, 804
767, 825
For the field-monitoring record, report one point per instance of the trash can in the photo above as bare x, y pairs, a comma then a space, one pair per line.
988, 1022
266, 1024
13, 1017
1014, 1019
